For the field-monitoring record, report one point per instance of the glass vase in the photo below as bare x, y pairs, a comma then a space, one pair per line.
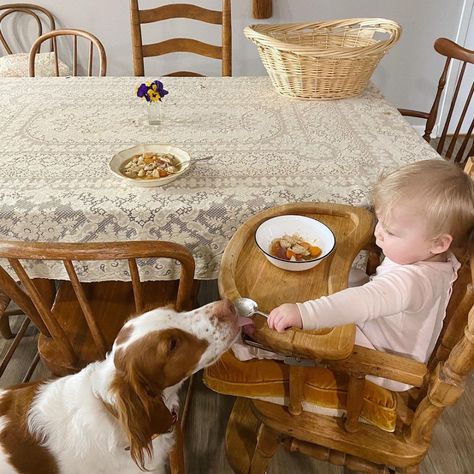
154, 111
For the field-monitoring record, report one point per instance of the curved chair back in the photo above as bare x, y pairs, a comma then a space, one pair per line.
175, 11
85, 318
92, 40
39, 13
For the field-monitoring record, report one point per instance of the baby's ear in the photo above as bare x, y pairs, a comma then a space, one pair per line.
441, 243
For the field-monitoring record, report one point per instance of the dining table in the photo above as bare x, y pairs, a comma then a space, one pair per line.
58, 135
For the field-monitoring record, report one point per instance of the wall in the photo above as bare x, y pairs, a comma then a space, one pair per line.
407, 75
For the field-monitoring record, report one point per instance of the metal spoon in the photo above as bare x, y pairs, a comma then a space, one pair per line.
247, 308
193, 160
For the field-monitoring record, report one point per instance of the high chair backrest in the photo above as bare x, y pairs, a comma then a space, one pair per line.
222, 17
85, 318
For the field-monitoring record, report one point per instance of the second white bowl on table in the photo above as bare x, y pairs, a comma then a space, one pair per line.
310, 230
121, 157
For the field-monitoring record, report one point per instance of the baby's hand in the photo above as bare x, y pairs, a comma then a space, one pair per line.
285, 316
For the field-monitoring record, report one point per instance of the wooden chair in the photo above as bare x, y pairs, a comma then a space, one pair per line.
451, 51
85, 318
92, 40
397, 440
78, 322
184, 10
42, 17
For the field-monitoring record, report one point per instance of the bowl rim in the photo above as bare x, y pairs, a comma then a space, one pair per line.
295, 261
164, 180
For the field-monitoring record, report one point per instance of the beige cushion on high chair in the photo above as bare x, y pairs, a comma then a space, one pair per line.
16, 65
325, 391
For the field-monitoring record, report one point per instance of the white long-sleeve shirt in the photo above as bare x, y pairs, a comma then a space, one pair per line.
401, 310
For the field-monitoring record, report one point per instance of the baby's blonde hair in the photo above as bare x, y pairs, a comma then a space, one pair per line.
438, 190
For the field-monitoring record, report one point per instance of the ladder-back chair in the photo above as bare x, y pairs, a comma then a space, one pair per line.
222, 17
85, 318
92, 41
324, 407
446, 146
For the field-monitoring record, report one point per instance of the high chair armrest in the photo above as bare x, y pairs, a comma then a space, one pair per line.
362, 360
382, 364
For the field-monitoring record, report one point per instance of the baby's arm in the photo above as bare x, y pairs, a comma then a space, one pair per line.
385, 295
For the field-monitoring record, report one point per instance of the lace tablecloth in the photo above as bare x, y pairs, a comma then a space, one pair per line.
57, 136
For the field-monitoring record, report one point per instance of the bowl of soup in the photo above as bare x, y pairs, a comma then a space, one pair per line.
150, 165
294, 242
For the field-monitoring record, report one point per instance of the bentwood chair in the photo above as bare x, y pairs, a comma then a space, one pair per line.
323, 406
78, 321
77, 36
17, 31
448, 138
85, 318
42, 17
139, 17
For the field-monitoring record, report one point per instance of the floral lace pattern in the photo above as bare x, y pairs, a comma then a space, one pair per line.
56, 142
17, 65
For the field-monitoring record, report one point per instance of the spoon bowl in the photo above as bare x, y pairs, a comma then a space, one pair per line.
247, 308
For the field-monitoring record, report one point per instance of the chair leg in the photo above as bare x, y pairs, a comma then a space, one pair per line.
5, 330
267, 444
176, 455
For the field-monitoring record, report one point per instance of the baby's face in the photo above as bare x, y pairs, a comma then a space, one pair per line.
403, 237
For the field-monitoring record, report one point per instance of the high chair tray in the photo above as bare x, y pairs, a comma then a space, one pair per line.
246, 272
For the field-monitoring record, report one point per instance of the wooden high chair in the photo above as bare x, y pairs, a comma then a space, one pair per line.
318, 401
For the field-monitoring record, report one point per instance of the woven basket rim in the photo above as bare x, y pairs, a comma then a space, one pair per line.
261, 35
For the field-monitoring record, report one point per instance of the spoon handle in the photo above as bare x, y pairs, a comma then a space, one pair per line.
193, 160
261, 313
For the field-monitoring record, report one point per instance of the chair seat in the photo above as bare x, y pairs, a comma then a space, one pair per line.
325, 391
16, 65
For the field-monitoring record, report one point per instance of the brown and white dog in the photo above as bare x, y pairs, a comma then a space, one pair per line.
107, 418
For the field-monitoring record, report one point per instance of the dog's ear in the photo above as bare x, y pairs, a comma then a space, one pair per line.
141, 415
137, 387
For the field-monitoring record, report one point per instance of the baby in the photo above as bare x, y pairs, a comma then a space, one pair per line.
423, 210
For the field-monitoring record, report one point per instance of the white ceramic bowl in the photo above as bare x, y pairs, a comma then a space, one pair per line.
311, 230
117, 161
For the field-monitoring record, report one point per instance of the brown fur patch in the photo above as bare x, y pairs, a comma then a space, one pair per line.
25, 453
158, 360
124, 335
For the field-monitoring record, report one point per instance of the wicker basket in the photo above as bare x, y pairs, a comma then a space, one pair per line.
325, 60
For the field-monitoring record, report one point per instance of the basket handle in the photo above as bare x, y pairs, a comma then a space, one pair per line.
259, 35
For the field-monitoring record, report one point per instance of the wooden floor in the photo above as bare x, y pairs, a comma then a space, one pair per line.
450, 453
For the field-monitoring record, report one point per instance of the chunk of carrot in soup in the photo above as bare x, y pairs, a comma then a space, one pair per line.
314, 250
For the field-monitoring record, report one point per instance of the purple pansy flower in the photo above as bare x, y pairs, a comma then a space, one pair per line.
151, 91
